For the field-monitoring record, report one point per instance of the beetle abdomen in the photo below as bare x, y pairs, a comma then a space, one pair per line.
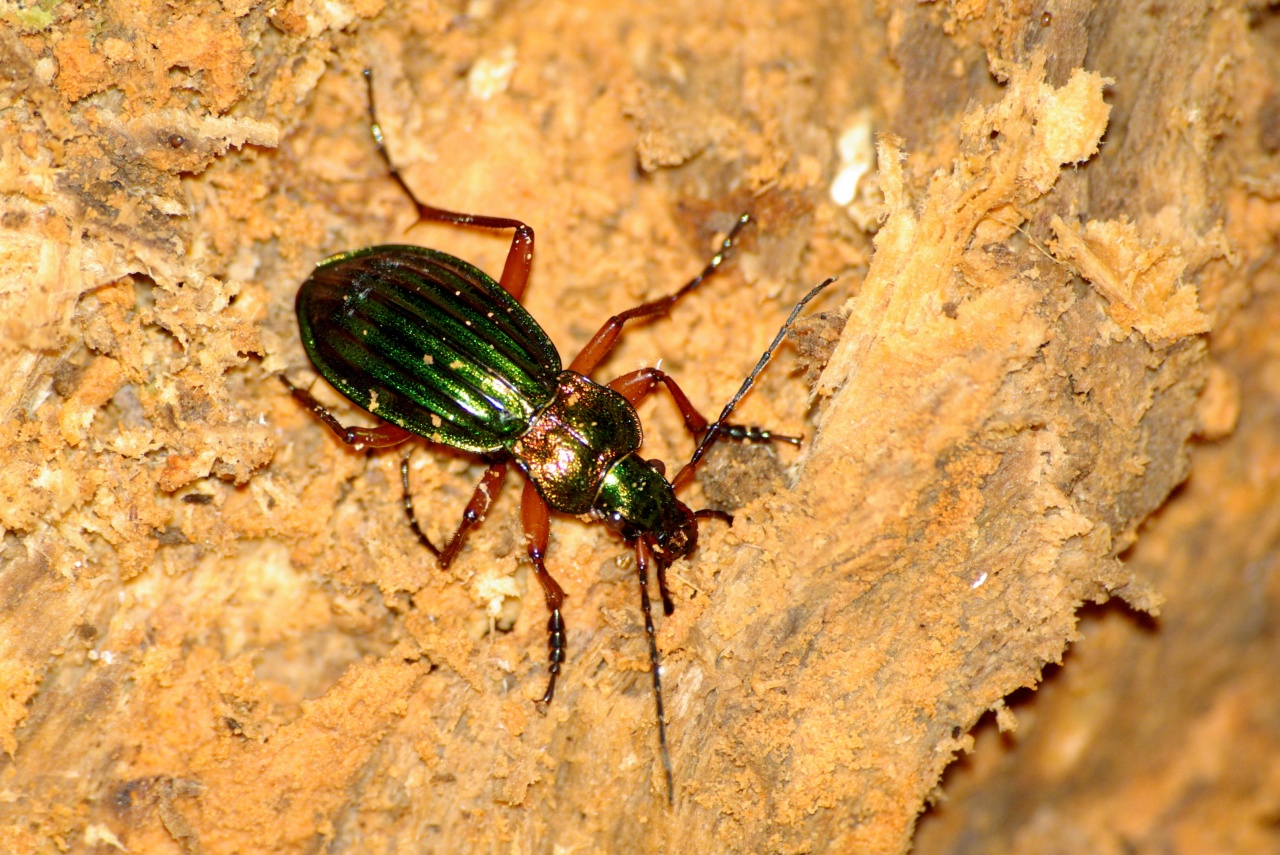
427, 342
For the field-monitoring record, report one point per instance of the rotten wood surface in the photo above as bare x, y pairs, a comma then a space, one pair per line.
218, 635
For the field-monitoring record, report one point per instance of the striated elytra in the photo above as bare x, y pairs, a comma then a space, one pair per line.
427, 342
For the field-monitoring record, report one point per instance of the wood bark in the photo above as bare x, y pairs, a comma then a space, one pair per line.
217, 634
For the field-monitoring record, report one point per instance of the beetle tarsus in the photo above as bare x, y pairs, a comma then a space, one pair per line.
752, 433
714, 514
555, 655
668, 607
408, 509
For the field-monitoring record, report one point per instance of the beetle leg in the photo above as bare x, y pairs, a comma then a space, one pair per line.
488, 488
685, 475
643, 557
668, 605
515, 273
382, 436
604, 339
537, 529
636, 385
714, 514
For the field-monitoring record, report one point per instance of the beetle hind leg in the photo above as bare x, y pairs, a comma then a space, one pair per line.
515, 273
408, 509
382, 436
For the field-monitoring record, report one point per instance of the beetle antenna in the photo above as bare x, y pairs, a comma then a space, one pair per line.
714, 431
642, 570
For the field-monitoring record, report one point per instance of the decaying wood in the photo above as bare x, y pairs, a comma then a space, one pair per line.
216, 632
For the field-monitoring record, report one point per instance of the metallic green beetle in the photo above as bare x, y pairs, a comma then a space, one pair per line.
432, 345
437, 349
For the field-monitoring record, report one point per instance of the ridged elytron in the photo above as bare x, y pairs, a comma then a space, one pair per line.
436, 349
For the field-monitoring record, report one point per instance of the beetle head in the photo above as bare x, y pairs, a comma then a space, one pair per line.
636, 501
677, 537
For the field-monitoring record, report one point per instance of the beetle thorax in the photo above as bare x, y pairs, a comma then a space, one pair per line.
575, 440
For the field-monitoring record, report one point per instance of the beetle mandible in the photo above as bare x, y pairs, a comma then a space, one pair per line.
436, 349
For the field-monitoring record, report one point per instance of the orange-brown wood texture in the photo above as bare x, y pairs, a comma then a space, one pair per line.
1055, 229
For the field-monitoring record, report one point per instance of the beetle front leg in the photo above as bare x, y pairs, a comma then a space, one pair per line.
382, 436
668, 605
537, 530
636, 385
488, 488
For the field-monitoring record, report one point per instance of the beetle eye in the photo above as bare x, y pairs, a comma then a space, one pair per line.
660, 466
615, 521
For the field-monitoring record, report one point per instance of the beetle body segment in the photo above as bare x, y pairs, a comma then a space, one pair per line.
429, 343
636, 500
575, 441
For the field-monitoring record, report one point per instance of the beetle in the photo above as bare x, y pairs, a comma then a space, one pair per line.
436, 349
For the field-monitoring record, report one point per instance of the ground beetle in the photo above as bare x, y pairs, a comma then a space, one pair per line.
436, 349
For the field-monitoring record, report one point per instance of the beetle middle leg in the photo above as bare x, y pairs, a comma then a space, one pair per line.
637, 384
537, 529
603, 341
515, 272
